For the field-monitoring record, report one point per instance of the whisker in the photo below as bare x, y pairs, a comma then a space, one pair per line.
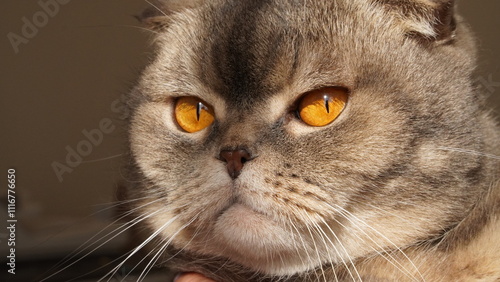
91, 216
83, 248
395, 262
345, 251
317, 253
91, 251
302, 241
289, 222
119, 25
471, 152
111, 224
357, 236
156, 7
142, 245
155, 258
99, 268
322, 235
138, 263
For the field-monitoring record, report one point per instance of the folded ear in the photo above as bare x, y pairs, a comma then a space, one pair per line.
429, 19
157, 16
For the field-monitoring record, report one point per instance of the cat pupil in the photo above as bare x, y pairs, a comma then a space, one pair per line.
198, 110
327, 105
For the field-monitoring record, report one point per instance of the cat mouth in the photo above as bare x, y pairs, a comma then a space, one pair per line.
243, 208
253, 238
240, 225
237, 202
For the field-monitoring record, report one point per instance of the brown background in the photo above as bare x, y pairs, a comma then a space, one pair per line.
64, 81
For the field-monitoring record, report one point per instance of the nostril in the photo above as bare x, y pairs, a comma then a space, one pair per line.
235, 159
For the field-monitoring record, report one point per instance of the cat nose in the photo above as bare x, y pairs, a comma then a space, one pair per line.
235, 159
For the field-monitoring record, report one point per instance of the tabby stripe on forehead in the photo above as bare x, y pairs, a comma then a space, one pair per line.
241, 57
242, 34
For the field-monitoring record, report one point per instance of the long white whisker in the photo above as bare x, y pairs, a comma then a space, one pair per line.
471, 152
395, 262
138, 248
121, 26
302, 242
155, 258
317, 252
156, 7
138, 263
101, 267
322, 235
345, 251
77, 251
112, 205
128, 213
120, 230
289, 223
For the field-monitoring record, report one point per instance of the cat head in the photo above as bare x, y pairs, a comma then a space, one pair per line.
433, 19
283, 135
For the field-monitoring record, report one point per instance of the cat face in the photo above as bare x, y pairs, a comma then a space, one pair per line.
231, 162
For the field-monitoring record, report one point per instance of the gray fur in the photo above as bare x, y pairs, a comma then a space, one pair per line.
403, 182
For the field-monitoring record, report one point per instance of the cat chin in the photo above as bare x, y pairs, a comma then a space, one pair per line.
246, 230
258, 242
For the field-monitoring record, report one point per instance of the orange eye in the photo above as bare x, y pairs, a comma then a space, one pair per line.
321, 107
193, 114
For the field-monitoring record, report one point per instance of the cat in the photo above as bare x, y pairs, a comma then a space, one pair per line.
314, 140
